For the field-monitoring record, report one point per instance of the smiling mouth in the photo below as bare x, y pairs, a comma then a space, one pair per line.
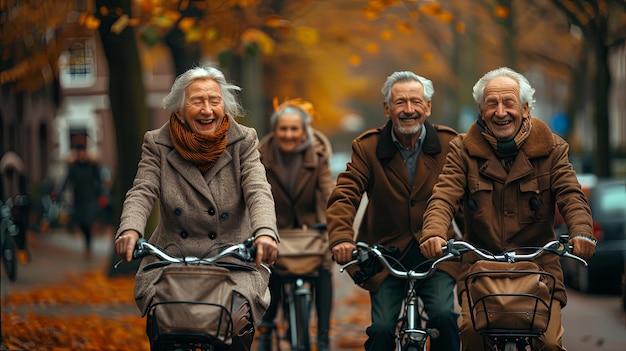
502, 123
205, 122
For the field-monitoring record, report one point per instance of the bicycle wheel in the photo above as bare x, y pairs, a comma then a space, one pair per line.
302, 302
9, 257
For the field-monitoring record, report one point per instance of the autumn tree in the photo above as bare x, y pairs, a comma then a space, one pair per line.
602, 24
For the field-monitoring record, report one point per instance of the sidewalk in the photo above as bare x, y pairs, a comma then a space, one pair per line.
57, 256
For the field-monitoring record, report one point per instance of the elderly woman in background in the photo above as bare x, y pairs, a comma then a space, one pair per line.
204, 169
296, 159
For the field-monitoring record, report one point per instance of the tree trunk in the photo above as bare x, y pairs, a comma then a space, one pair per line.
128, 106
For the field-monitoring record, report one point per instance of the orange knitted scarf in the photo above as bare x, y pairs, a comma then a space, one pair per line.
203, 150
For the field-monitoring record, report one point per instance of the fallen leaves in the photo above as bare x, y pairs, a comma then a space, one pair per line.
60, 333
60, 323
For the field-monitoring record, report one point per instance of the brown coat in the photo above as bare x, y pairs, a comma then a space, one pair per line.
201, 213
498, 214
395, 208
307, 205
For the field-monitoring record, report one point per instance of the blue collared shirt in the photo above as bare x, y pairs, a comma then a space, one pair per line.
410, 157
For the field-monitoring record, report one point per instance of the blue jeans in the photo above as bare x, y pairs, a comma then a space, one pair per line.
438, 296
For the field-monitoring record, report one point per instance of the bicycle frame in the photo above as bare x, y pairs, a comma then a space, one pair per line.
410, 335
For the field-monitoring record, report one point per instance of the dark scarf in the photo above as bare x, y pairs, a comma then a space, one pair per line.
291, 162
508, 149
202, 150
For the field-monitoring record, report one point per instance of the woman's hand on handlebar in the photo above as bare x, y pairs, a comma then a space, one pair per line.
342, 252
125, 244
266, 250
431, 248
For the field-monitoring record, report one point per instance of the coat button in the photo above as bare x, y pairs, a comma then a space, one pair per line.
416, 229
184, 234
211, 211
224, 215
178, 211
212, 235
413, 203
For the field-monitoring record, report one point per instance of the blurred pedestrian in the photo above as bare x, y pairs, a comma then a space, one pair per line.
397, 165
296, 159
83, 180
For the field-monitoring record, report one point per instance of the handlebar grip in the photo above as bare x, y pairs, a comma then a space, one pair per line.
139, 251
250, 248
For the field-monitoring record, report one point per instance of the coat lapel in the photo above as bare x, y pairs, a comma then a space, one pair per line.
388, 155
426, 162
387, 152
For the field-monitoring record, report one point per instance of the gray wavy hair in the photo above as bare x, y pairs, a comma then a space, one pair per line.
289, 109
407, 76
175, 100
526, 92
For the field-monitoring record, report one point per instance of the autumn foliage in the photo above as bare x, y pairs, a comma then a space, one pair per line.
91, 312
48, 325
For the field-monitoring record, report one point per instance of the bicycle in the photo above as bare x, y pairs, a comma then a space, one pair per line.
8, 246
298, 290
411, 333
182, 324
504, 311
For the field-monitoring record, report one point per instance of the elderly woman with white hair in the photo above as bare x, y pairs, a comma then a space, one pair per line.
204, 169
296, 160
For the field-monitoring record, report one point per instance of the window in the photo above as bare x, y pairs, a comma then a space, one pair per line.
77, 64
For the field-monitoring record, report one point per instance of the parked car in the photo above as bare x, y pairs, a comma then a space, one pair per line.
607, 199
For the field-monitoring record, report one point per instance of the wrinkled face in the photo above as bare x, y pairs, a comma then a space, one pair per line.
407, 107
204, 107
289, 132
502, 110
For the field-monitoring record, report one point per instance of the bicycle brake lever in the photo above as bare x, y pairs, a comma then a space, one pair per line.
343, 268
567, 254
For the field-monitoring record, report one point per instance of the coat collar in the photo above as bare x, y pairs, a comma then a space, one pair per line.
540, 142
233, 134
310, 161
386, 149
266, 146
187, 169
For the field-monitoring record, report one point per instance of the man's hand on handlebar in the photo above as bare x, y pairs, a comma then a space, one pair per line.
582, 247
125, 244
431, 248
342, 253
266, 250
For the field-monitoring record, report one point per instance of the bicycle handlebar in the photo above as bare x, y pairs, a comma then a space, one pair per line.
559, 247
454, 249
363, 252
245, 251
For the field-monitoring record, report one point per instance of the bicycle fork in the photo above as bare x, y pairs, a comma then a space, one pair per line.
413, 337
299, 315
